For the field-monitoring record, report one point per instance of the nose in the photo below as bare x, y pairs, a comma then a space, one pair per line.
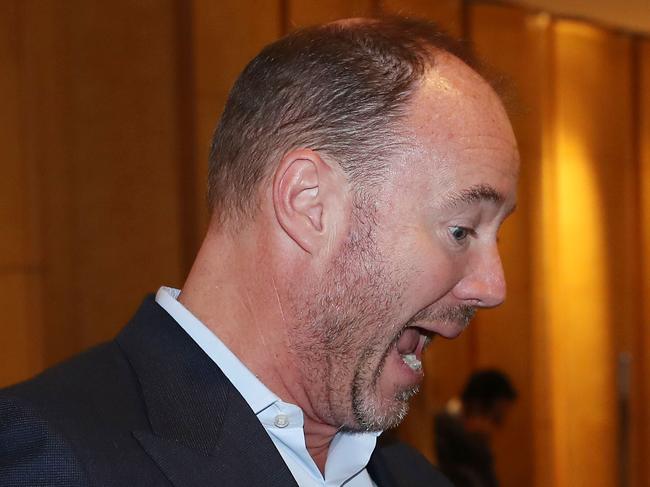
484, 284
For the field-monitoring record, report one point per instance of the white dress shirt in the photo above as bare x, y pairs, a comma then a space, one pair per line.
348, 453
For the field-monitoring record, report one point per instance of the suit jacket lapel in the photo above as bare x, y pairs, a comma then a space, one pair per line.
378, 471
202, 431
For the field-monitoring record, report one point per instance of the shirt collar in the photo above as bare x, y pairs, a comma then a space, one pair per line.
349, 452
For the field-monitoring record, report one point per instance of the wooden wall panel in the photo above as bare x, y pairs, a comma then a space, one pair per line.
99, 143
447, 13
18, 249
301, 13
38, 158
45, 140
225, 36
125, 158
515, 44
619, 182
21, 348
20, 269
642, 469
588, 279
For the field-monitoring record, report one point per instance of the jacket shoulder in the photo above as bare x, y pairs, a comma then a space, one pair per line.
31, 452
94, 384
72, 422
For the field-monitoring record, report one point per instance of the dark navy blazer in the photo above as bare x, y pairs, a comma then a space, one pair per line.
150, 408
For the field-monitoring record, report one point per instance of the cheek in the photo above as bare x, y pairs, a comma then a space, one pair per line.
433, 272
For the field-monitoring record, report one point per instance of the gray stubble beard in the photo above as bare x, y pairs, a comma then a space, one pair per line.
355, 297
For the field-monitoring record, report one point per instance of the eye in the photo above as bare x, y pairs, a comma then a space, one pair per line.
459, 234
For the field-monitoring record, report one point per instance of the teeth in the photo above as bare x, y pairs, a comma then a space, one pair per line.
411, 360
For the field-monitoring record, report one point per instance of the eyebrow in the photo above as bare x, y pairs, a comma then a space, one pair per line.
473, 194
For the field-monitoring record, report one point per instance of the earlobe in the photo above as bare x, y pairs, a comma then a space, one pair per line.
299, 199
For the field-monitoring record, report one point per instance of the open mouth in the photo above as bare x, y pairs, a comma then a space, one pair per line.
410, 345
412, 361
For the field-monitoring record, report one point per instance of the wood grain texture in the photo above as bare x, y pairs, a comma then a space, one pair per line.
124, 157
301, 13
591, 195
98, 131
642, 470
43, 145
226, 35
447, 13
21, 269
19, 249
21, 336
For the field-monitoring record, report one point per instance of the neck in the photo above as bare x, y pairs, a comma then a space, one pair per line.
232, 289
318, 437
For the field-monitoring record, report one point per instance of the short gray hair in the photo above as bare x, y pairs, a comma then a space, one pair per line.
340, 89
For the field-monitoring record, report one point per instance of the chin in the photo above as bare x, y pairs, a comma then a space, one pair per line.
375, 413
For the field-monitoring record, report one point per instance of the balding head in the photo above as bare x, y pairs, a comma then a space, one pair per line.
376, 166
341, 89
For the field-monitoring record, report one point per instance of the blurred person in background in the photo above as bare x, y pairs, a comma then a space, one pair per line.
464, 431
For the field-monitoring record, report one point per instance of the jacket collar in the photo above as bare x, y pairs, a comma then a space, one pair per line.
202, 430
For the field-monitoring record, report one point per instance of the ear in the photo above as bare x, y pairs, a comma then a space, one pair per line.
308, 198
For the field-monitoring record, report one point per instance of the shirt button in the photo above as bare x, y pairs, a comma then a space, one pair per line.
281, 421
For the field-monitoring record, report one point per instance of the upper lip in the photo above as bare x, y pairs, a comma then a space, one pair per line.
430, 329
428, 332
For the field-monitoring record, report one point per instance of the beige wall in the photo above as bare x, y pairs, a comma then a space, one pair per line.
108, 112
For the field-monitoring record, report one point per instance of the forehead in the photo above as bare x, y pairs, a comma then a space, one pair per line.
459, 134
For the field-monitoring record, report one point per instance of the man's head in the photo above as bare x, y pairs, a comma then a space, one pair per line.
486, 399
377, 167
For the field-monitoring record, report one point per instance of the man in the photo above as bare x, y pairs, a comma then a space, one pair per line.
358, 177
464, 431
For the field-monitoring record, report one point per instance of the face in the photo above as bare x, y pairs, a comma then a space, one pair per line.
420, 257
